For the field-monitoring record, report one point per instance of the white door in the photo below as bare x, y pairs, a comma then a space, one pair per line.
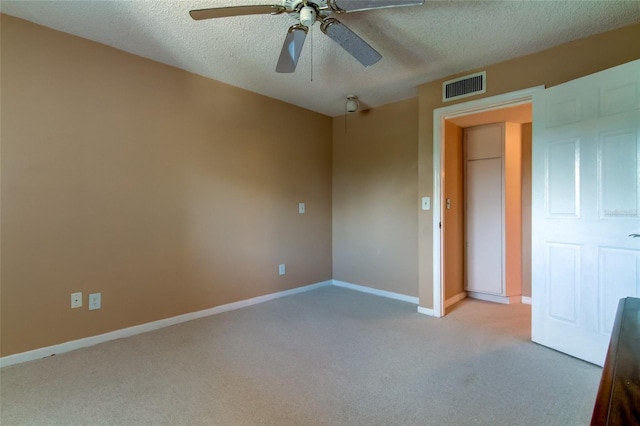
483, 210
484, 225
585, 205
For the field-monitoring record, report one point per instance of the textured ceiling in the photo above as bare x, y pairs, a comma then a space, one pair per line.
418, 43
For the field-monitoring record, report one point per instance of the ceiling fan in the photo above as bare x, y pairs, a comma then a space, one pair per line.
307, 12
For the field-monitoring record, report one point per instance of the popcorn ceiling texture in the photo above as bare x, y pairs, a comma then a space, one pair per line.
419, 43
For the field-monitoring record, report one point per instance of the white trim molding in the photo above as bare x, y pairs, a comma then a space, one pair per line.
155, 325
506, 300
375, 291
425, 311
150, 326
526, 300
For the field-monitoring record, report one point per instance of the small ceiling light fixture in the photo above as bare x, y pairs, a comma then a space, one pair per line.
352, 103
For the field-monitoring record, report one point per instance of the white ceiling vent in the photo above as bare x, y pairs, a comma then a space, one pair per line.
462, 87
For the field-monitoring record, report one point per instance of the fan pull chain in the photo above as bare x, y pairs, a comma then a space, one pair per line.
345, 118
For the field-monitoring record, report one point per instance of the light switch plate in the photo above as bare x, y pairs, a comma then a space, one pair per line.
95, 301
426, 203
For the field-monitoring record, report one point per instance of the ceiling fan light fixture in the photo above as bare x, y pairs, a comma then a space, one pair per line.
352, 103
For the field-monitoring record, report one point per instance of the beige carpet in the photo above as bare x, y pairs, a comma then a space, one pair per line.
326, 357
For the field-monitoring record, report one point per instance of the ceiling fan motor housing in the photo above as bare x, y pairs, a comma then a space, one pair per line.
307, 16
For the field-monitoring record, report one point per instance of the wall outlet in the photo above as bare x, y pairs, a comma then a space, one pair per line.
76, 300
281, 269
95, 301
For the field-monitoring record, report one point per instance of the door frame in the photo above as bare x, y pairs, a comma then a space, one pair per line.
439, 116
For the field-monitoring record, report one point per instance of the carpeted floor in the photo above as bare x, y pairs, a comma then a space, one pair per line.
330, 356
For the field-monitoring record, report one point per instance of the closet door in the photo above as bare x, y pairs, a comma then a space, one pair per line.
484, 209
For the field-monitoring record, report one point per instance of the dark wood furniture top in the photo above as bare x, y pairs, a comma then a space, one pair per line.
618, 400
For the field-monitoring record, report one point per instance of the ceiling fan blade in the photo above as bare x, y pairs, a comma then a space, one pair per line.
222, 12
350, 41
292, 48
358, 5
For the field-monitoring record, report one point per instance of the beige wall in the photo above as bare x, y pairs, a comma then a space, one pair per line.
550, 67
375, 203
453, 218
170, 193
165, 191
513, 209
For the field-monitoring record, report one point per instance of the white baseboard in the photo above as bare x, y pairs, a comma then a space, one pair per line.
526, 300
455, 299
494, 298
155, 325
425, 311
375, 291
150, 326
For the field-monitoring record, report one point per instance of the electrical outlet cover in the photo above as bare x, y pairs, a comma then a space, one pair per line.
76, 300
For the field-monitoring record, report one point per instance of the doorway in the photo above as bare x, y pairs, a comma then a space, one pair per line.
448, 247
484, 221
